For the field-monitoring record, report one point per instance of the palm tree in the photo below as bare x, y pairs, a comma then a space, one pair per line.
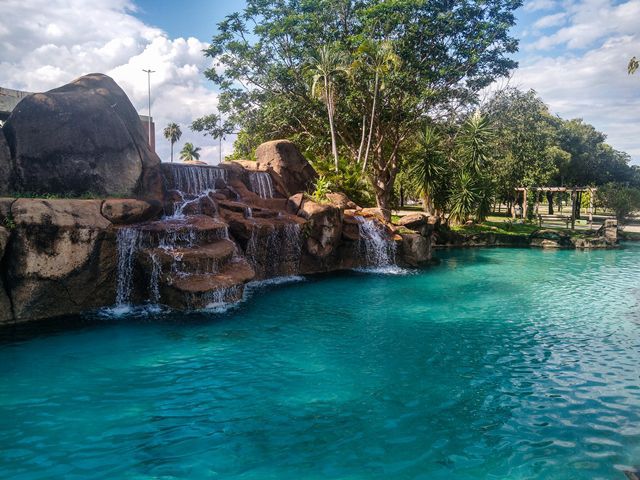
326, 67
475, 141
382, 60
426, 173
172, 133
189, 153
464, 198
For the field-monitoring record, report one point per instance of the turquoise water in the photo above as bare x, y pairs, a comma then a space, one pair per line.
494, 364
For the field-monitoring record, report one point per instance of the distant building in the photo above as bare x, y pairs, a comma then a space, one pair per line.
9, 99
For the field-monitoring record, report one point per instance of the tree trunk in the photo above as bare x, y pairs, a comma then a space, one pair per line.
550, 202
362, 138
329, 98
171, 152
373, 112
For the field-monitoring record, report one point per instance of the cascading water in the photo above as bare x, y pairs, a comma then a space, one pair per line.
375, 247
128, 243
187, 200
154, 284
195, 179
261, 184
277, 252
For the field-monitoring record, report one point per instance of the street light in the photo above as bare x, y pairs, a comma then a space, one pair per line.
149, 72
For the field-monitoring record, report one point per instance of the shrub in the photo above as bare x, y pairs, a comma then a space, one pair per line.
621, 199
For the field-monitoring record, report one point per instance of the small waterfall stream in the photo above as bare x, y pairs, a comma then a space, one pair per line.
261, 184
276, 253
375, 247
195, 179
128, 243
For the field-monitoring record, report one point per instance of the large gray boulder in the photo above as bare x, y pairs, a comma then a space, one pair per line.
84, 137
5, 165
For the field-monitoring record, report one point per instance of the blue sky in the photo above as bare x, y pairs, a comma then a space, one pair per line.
573, 53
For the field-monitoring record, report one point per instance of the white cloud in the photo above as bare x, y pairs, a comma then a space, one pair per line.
591, 21
594, 86
47, 43
553, 20
535, 5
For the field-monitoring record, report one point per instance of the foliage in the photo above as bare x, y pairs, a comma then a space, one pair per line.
634, 63
9, 222
347, 180
464, 198
322, 187
621, 199
172, 133
410, 61
189, 152
427, 170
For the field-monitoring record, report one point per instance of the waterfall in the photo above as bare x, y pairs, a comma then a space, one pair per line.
128, 243
187, 200
154, 284
195, 179
276, 252
375, 247
261, 183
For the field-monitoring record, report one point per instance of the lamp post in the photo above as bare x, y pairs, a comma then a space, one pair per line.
149, 72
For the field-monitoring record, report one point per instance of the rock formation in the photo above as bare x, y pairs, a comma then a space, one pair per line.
190, 236
290, 170
82, 138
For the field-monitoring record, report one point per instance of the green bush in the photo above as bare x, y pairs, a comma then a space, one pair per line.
621, 199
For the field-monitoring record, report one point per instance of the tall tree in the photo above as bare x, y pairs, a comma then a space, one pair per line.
447, 52
172, 133
189, 153
380, 58
325, 67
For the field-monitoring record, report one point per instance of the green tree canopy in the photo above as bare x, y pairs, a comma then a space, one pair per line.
412, 60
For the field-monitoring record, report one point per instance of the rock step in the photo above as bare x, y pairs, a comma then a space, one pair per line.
183, 232
209, 258
200, 290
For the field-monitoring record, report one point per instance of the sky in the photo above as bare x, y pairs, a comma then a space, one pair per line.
574, 53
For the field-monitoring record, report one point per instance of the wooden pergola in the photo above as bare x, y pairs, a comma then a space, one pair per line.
574, 194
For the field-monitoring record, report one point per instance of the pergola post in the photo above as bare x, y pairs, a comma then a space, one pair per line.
573, 209
591, 193
524, 204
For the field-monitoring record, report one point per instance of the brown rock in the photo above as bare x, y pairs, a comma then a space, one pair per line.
61, 259
413, 221
350, 228
129, 210
6, 315
324, 227
84, 137
415, 249
5, 209
290, 170
340, 200
294, 203
201, 290
4, 239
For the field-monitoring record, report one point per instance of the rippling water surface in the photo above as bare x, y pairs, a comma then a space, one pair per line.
494, 364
